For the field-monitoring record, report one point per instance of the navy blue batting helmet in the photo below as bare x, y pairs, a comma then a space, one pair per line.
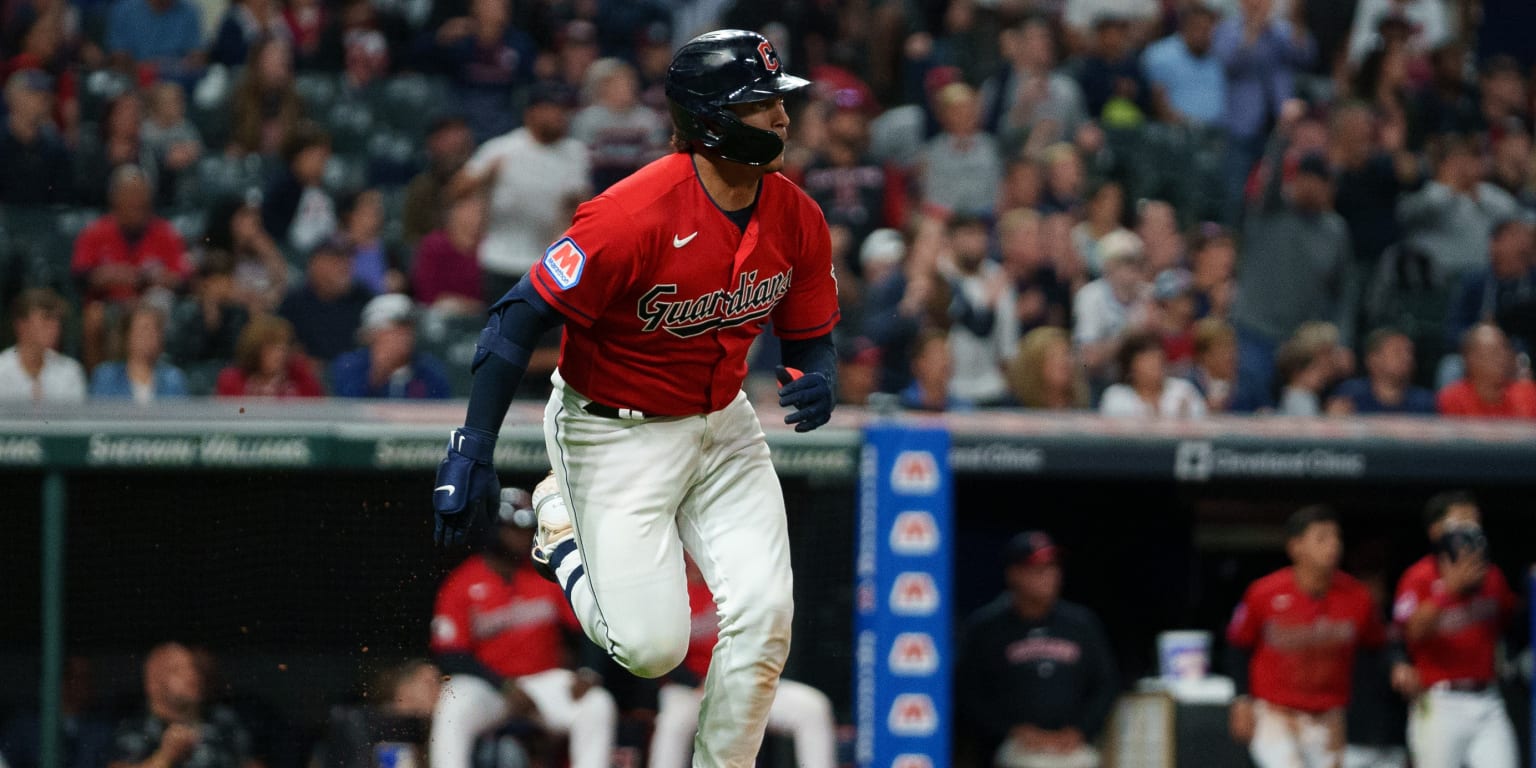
718, 69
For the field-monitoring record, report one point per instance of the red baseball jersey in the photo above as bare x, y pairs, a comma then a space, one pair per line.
1304, 646
663, 294
513, 627
103, 242
703, 628
1462, 643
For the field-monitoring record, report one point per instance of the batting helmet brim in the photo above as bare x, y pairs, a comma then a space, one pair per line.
762, 90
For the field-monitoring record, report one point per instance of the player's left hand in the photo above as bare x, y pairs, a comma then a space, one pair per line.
810, 394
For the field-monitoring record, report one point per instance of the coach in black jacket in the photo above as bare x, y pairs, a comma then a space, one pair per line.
1035, 675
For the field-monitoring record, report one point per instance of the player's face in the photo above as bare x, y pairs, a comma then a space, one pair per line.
1318, 547
767, 115
1036, 582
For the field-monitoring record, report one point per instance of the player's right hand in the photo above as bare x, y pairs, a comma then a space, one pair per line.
466, 488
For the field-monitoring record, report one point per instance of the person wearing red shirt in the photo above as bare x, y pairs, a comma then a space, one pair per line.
798, 710
1453, 606
499, 632
1489, 389
123, 255
662, 283
1292, 642
266, 364
445, 275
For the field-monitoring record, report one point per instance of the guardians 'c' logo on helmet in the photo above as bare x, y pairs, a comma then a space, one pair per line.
770, 56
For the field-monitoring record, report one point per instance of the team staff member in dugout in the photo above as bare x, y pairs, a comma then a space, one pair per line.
1292, 640
662, 282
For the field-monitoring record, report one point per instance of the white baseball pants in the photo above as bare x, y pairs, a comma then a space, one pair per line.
1289, 738
469, 707
798, 711
1451, 729
639, 492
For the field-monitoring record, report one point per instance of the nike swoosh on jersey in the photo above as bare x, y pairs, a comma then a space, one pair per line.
450, 488
678, 242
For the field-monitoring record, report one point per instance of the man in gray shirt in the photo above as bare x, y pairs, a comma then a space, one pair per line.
1296, 266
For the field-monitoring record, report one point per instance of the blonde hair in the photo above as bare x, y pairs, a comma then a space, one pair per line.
1211, 331
259, 332
1026, 372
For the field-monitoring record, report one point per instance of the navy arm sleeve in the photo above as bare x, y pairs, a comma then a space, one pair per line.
507, 342
814, 354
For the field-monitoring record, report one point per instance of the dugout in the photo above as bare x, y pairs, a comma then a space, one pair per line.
294, 541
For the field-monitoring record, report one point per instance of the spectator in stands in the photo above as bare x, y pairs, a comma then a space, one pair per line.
37, 165
260, 271
1387, 386
1043, 298
1114, 90
1175, 308
310, 25
1035, 678
1448, 105
576, 49
1428, 24
1145, 389
932, 367
1065, 179
1157, 224
165, 35
127, 255
899, 309
1045, 374
446, 271
207, 324
47, 36
1261, 55
1106, 216
1213, 269
1215, 372
1306, 367
245, 25
1504, 101
985, 334
858, 371
1490, 388
449, 143
375, 265
1371, 175
267, 365
962, 166
266, 110
141, 375
1297, 266
855, 190
1028, 94
119, 143
1188, 83
169, 138
1511, 167
535, 177
1451, 218
33, 370
1023, 185
296, 208
179, 728
327, 308
1105, 309
388, 365
1504, 292
622, 133
488, 59
365, 62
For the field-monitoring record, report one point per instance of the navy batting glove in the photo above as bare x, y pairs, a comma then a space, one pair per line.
466, 487
810, 394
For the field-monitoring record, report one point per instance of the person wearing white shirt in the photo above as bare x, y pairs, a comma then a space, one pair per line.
1428, 22
1104, 309
1145, 390
985, 335
534, 177
32, 370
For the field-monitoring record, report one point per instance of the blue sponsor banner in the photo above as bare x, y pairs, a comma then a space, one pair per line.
902, 655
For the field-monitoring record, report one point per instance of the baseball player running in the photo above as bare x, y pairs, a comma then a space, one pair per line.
798, 710
662, 283
498, 630
1452, 606
1292, 642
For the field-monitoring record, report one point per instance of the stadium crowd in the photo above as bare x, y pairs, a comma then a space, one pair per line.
1147, 207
